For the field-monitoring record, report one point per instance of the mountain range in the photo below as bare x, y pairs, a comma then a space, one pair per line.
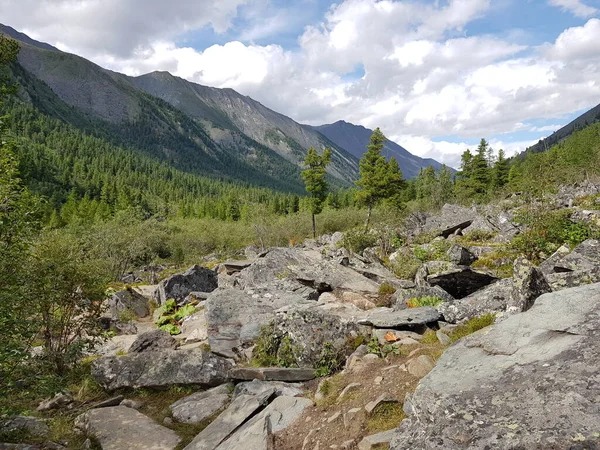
195, 128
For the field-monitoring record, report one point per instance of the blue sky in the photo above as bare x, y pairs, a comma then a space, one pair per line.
436, 76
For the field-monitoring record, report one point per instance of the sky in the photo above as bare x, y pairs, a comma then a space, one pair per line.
435, 75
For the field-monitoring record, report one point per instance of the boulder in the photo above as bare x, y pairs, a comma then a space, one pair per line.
401, 296
30, 426
228, 421
528, 284
194, 328
161, 368
257, 436
585, 257
523, 383
376, 441
234, 317
566, 280
491, 299
152, 341
452, 218
458, 281
547, 267
317, 328
178, 286
127, 301
257, 387
121, 428
235, 266
200, 406
60, 400
460, 255
412, 318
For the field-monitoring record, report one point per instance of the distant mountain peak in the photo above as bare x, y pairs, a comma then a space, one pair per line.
22, 37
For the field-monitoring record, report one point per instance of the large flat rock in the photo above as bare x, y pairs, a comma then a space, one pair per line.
529, 382
161, 368
407, 318
121, 428
272, 374
199, 406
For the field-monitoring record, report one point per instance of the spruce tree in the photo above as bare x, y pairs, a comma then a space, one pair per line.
315, 180
501, 170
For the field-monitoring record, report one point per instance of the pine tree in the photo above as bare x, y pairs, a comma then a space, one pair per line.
315, 180
481, 170
379, 179
501, 170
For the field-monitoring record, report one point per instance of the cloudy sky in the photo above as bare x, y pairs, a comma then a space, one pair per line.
434, 75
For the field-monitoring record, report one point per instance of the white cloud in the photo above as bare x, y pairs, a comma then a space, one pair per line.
546, 128
575, 7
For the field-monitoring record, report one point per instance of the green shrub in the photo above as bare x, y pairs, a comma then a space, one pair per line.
286, 353
184, 312
476, 237
499, 262
171, 329
265, 349
405, 266
356, 240
386, 288
385, 416
428, 300
426, 237
330, 361
472, 325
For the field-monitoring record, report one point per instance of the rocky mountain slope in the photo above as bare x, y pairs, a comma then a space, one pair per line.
211, 130
588, 118
355, 139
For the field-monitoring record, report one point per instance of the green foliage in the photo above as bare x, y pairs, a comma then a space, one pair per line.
436, 251
429, 338
184, 312
170, 328
387, 289
426, 237
385, 416
475, 237
264, 353
547, 230
373, 347
405, 266
357, 240
330, 361
170, 317
472, 325
428, 300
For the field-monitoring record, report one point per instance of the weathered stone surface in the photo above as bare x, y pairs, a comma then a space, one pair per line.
443, 338
200, 406
44, 446
566, 280
493, 298
257, 387
527, 382
152, 341
408, 318
29, 425
358, 300
272, 374
121, 428
113, 401
375, 440
60, 400
233, 266
585, 256
256, 436
528, 284
194, 328
458, 281
128, 300
312, 328
228, 421
178, 286
164, 368
403, 295
547, 266
383, 398
389, 336
235, 317
420, 366
450, 219
460, 255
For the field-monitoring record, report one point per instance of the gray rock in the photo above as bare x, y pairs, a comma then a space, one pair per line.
128, 300
460, 255
30, 425
387, 336
200, 406
566, 280
585, 257
491, 299
152, 341
257, 387
528, 284
228, 421
234, 266
164, 368
178, 286
44, 446
420, 366
194, 328
376, 440
121, 428
443, 338
272, 373
526, 382
315, 328
547, 267
58, 401
235, 317
113, 401
134, 404
257, 436
406, 319
458, 281
383, 398
403, 295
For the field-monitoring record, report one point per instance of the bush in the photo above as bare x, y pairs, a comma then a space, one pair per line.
476, 237
386, 288
436, 251
356, 240
405, 266
425, 237
428, 300
330, 361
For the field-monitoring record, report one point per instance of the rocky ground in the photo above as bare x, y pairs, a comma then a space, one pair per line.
314, 347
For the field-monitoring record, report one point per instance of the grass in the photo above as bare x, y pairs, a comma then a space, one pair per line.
472, 325
405, 266
429, 338
499, 262
386, 288
428, 300
385, 416
331, 389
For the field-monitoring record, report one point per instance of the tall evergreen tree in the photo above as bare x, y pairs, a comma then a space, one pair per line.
481, 170
379, 179
501, 170
315, 180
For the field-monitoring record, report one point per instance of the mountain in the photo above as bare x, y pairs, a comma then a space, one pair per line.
588, 118
355, 139
11, 32
194, 128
